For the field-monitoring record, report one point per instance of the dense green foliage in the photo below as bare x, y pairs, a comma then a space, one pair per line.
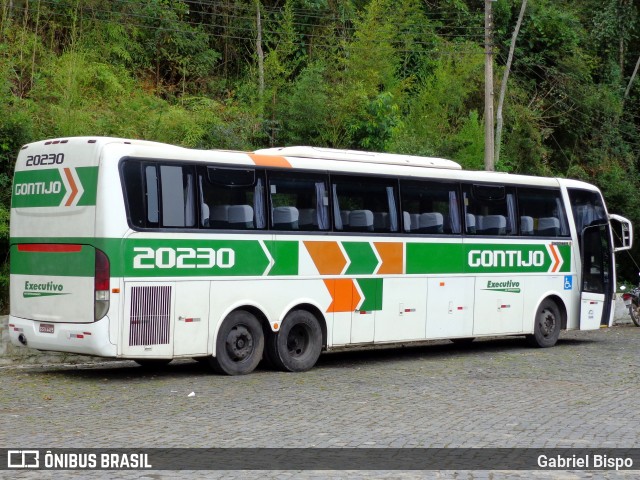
387, 75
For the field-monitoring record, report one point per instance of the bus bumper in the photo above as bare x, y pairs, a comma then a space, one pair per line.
81, 338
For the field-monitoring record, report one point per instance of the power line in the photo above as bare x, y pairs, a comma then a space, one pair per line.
247, 33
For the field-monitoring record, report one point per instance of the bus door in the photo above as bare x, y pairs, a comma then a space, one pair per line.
597, 277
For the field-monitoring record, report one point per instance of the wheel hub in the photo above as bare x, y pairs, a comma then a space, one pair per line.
239, 343
548, 322
297, 341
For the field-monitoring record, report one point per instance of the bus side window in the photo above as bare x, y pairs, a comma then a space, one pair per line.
360, 206
542, 212
178, 196
142, 209
234, 198
490, 210
298, 201
430, 207
159, 195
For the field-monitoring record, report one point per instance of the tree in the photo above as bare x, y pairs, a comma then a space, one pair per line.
503, 85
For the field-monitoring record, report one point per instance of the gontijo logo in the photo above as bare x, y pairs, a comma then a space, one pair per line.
55, 187
491, 258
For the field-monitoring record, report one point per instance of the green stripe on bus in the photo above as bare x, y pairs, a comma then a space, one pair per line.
363, 258
372, 291
188, 258
144, 257
285, 255
425, 258
64, 264
89, 179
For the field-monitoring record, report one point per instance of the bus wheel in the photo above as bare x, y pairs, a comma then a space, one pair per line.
152, 363
239, 344
297, 346
546, 329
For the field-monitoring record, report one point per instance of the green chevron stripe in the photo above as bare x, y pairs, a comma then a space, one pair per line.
363, 258
372, 291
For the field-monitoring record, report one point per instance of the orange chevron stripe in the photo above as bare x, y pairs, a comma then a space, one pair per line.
556, 259
327, 257
269, 161
74, 187
392, 257
344, 295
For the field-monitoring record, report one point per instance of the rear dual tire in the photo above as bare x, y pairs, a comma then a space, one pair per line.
297, 346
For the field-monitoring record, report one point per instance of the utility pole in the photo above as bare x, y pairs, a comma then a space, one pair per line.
488, 87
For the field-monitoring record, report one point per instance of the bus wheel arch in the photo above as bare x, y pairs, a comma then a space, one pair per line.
550, 318
299, 341
239, 343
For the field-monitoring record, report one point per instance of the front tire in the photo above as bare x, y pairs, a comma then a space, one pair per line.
297, 346
239, 344
546, 329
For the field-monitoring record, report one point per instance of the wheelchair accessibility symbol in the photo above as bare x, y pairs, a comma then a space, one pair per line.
568, 282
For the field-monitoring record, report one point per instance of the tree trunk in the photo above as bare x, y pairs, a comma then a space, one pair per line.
505, 77
633, 76
259, 50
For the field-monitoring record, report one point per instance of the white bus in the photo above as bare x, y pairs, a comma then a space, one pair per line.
146, 251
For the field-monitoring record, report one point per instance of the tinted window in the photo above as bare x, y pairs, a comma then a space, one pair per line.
133, 183
588, 208
430, 207
232, 198
178, 196
365, 204
489, 210
542, 212
160, 195
298, 201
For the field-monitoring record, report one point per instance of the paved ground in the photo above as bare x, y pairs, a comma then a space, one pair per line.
495, 393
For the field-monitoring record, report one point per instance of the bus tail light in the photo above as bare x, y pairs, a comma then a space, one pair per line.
102, 284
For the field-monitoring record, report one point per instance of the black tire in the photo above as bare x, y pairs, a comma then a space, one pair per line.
152, 363
297, 346
634, 311
463, 342
239, 344
546, 329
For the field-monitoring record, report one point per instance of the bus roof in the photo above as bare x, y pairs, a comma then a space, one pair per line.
334, 159
360, 156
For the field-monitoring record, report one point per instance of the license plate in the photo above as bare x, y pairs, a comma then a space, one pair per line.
627, 302
46, 328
